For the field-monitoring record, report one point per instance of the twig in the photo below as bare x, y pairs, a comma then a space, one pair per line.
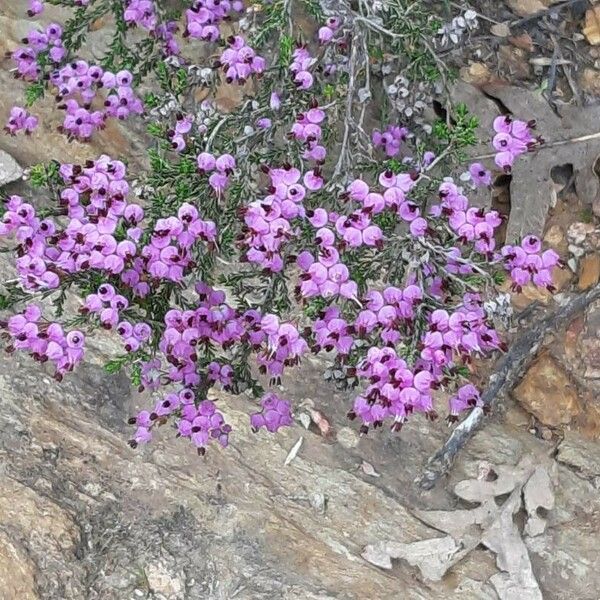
341, 163
372, 25
552, 75
546, 146
567, 71
510, 368
479, 15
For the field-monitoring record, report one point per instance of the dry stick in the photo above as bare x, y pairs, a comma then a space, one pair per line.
547, 145
509, 369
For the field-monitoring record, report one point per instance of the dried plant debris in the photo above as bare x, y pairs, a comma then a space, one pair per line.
538, 493
571, 138
432, 557
591, 28
527, 485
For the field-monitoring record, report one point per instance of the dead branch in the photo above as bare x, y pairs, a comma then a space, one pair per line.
509, 370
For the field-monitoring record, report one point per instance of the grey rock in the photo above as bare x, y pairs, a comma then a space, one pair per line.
581, 455
9, 169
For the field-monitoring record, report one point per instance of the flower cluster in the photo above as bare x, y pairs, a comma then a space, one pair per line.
49, 42
20, 120
390, 140
203, 424
302, 61
275, 413
471, 224
77, 84
395, 392
527, 263
36, 7
96, 205
83, 80
32, 234
45, 341
307, 129
107, 304
240, 61
220, 169
176, 135
512, 139
383, 284
134, 335
168, 254
327, 32
204, 17
267, 222
141, 13
200, 422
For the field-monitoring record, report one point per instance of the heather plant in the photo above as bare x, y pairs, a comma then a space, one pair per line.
310, 219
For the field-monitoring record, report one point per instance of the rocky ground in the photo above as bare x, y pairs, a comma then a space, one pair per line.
82, 516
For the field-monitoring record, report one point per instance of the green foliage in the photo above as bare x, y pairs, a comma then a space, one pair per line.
586, 215
286, 47
33, 92
499, 277
460, 130
274, 21
314, 306
44, 175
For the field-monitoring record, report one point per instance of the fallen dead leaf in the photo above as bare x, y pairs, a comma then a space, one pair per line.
537, 493
589, 271
294, 451
589, 81
321, 421
545, 61
591, 28
522, 41
524, 8
515, 61
368, 469
305, 419
433, 557
500, 29
476, 74
494, 526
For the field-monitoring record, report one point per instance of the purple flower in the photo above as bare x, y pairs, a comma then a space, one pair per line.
275, 413
480, 176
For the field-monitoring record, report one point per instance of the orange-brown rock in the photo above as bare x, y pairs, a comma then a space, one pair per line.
547, 392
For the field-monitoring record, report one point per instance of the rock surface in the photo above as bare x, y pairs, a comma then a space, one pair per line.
9, 169
547, 392
589, 271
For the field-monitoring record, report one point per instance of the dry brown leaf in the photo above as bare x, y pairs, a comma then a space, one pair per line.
321, 421
433, 557
524, 8
368, 469
538, 492
591, 29
493, 525
589, 81
523, 41
476, 74
500, 29
515, 61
